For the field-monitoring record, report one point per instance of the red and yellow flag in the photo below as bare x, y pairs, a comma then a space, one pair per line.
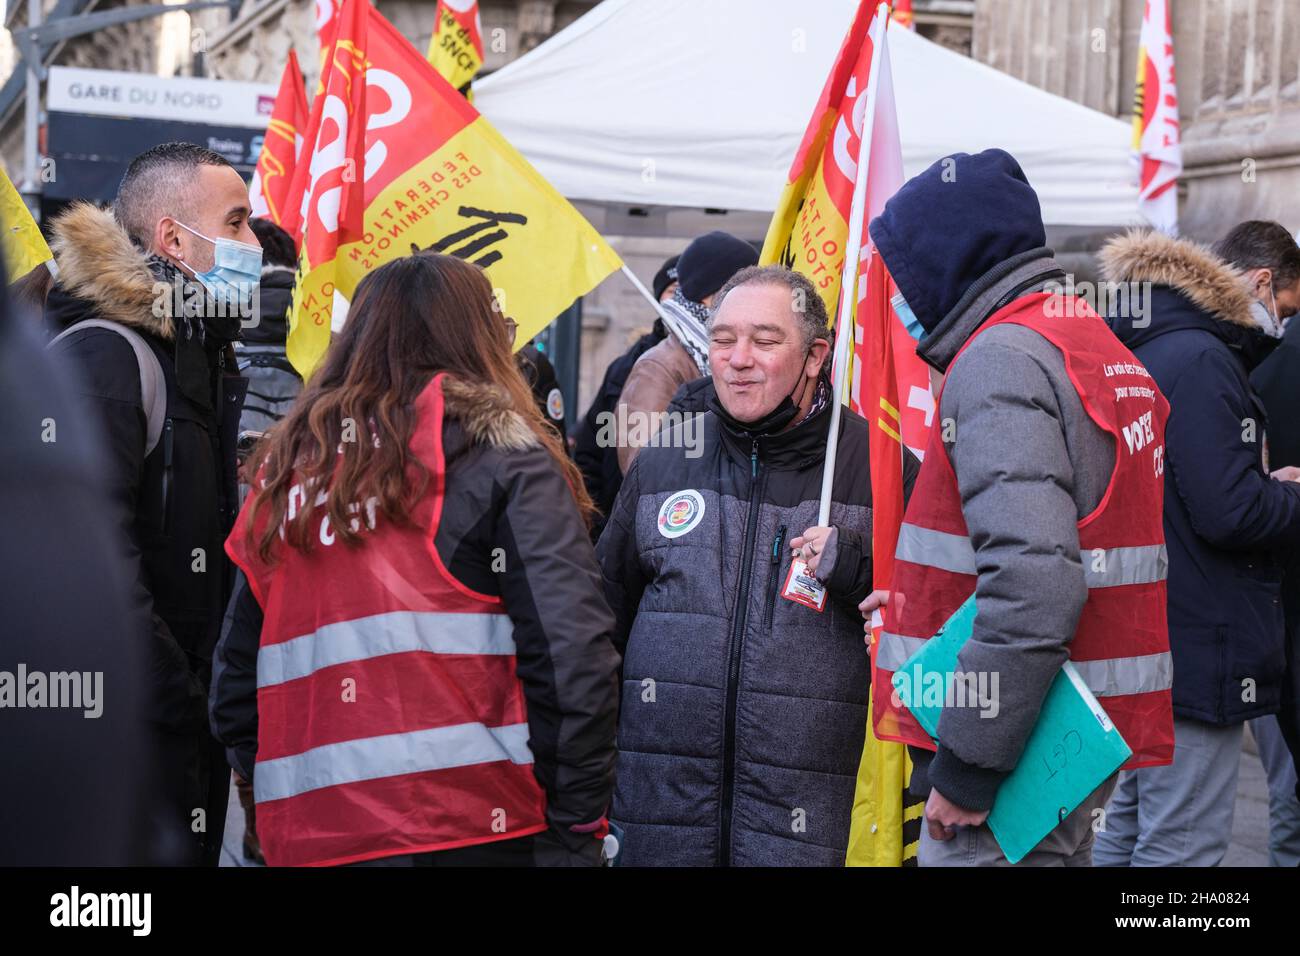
400, 160
809, 233
456, 47
281, 147
810, 228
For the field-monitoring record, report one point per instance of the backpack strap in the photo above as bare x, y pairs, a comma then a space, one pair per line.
153, 386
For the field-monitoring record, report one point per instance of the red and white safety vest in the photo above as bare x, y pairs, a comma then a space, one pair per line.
1121, 645
390, 716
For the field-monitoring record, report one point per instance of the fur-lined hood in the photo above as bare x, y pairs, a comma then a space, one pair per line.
99, 263
486, 415
1190, 269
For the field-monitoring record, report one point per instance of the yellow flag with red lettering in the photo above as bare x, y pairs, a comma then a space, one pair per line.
809, 233
401, 161
456, 47
810, 228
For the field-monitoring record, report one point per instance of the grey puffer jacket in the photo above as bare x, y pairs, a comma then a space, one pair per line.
1030, 463
743, 713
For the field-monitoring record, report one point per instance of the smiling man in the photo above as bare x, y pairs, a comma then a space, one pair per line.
149, 298
744, 679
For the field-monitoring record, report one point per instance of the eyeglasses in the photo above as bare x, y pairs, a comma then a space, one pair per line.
512, 330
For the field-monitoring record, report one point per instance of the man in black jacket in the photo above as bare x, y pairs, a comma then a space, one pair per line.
1277, 380
166, 264
1205, 326
744, 680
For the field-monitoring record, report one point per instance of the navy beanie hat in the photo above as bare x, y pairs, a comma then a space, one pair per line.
709, 261
666, 276
952, 223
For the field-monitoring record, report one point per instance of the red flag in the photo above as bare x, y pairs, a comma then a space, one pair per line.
327, 18
890, 386
281, 147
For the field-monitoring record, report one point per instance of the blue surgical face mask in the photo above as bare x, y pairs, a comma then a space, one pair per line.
905, 315
236, 271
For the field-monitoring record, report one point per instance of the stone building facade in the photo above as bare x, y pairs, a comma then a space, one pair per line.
1237, 68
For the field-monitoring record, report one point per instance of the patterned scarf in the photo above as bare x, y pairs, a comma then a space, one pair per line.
202, 331
821, 398
688, 320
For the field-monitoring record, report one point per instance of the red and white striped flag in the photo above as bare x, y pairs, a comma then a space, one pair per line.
1155, 121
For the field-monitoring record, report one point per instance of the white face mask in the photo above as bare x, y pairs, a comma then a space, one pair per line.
1267, 320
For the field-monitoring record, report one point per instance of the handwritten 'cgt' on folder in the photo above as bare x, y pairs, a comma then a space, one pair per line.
1072, 749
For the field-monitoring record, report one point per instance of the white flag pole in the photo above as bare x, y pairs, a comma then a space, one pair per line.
654, 303
849, 280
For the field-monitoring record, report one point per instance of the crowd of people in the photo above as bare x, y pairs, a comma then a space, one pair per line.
421, 630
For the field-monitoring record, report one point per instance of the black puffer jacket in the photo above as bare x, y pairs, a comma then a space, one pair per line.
509, 527
172, 508
743, 713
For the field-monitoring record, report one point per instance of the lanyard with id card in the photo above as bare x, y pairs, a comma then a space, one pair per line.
802, 587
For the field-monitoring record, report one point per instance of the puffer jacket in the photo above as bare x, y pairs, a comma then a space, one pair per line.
743, 713
1224, 516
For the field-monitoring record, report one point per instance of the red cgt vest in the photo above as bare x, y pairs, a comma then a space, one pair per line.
390, 717
1121, 645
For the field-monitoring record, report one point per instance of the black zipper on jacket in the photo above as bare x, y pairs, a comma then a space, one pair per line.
733, 657
167, 477
772, 575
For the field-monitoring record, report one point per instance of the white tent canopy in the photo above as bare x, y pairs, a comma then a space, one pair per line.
663, 104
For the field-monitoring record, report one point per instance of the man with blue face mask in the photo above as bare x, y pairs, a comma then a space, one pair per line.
150, 297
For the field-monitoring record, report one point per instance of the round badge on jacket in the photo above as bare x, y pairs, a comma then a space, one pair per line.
555, 404
680, 513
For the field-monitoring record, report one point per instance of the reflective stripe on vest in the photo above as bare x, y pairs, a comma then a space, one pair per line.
371, 758
1112, 677
392, 716
396, 632
1102, 567
1120, 648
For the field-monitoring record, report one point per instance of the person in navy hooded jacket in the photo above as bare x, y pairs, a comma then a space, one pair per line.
1206, 321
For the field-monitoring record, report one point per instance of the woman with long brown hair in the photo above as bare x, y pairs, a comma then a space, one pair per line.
435, 682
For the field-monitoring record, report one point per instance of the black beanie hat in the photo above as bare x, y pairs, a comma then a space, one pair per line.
708, 262
666, 276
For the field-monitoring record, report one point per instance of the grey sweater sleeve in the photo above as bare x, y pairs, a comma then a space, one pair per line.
1016, 481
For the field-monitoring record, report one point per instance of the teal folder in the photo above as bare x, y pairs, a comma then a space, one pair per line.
1071, 750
